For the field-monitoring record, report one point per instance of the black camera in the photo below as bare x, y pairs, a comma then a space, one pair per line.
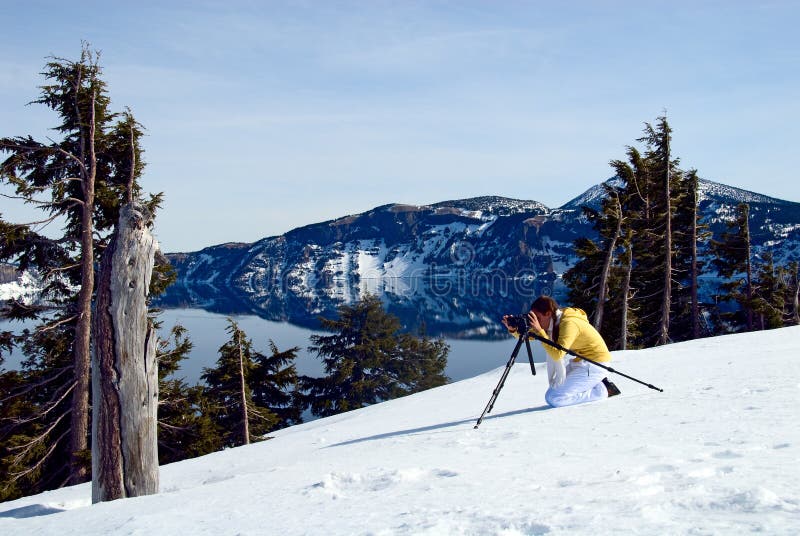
518, 323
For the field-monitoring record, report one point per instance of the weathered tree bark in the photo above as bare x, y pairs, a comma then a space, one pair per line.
125, 374
609, 258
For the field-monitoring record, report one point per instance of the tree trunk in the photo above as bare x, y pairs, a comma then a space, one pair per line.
601, 298
663, 337
125, 379
626, 288
79, 419
749, 281
695, 299
245, 417
796, 297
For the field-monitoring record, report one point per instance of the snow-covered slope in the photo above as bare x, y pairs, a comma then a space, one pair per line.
717, 453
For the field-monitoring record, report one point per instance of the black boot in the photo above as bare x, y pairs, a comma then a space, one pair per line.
612, 389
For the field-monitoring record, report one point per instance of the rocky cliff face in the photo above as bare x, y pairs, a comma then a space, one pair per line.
454, 266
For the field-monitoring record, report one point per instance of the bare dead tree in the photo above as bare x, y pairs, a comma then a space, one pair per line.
125, 378
245, 417
609, 259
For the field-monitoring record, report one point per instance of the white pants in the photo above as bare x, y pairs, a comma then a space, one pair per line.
584, 383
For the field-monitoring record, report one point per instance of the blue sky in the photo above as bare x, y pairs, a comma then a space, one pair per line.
263, 116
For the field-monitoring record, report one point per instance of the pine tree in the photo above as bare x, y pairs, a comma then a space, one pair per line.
694, 236
12, 483
769, 294
419, 364
79, 182
793, 303
625, 323
185, 426
610, 260
687, 267
273, 382
638, 277
367, 360
248, 393
582, 279
667, 188
590, 279
732, 261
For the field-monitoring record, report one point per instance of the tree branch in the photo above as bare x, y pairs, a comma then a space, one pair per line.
26, 447
54, 325
21, 474
36, 385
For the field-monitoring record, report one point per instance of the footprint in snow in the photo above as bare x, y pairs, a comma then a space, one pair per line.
726, 455
337, 485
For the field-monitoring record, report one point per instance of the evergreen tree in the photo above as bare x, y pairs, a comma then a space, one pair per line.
769, 294
732, 261
419, 364
273, 382
590, 280
230, 398
249, 393
639, 278
185, 426
687, 266
657, 259
610, 260
367, 360
79, 182
35, 415
626, 323
793, 303
12, 409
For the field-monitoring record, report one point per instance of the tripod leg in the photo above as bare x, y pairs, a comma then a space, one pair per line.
502, 381
530, 355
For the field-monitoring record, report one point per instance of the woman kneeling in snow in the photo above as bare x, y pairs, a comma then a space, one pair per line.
579, 381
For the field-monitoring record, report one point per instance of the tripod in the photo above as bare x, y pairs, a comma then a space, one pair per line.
544, 340
502, 381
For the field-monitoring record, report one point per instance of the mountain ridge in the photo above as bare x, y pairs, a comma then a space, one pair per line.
450, 265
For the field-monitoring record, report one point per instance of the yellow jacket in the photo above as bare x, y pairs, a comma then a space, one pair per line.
576, 333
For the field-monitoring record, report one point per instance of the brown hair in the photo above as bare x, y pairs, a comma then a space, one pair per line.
545, 304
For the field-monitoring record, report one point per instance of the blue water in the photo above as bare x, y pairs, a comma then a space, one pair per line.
467, 358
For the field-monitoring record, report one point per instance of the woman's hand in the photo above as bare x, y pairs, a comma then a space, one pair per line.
533, 322
506, 324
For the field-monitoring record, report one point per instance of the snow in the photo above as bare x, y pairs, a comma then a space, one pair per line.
27, 288
716, 453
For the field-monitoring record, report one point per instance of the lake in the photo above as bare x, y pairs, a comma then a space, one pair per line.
207, 330
467, 358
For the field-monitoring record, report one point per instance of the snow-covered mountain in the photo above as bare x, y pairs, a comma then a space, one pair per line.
716, 453
453, 265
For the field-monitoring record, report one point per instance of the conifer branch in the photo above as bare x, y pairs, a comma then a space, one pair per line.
16, 476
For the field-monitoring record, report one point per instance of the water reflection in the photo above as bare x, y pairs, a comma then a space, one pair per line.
459, 306
467, 358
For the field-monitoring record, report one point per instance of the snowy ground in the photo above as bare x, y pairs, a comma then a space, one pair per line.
717, 453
